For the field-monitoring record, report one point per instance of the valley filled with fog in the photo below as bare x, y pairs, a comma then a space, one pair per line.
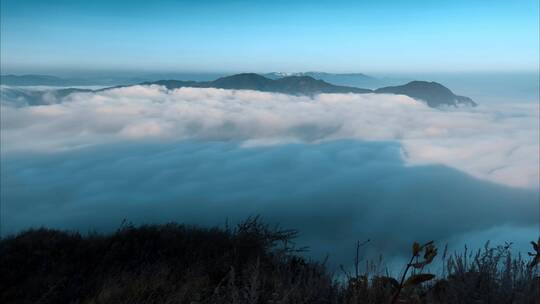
337, 167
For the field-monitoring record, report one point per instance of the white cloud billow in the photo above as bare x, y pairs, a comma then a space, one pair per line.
499, 143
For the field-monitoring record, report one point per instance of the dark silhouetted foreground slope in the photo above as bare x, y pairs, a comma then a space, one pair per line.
249, 264
159, 264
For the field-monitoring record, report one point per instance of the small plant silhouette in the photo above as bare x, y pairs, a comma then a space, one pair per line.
430, 251
536, 254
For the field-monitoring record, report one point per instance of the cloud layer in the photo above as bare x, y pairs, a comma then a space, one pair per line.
338, 167
334, 193
498, 143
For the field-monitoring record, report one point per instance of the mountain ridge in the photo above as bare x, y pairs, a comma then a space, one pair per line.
292, 85
344, 79
432, 93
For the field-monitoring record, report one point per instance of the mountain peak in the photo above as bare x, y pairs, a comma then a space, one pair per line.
244, 81
294, 85
358, 80
433, 93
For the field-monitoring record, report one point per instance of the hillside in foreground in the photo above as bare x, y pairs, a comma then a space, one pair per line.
251, 263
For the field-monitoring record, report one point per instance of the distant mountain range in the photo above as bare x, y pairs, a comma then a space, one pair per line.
24, 80
18, 96
345, 79
47, 80
293, 85
99, 80
358, 80
434, 94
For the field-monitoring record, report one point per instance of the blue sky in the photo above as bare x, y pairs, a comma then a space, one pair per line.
262, 36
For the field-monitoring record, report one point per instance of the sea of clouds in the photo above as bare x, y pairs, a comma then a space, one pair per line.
497, 143
338, 167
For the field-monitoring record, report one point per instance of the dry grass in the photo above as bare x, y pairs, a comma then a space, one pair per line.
252, 263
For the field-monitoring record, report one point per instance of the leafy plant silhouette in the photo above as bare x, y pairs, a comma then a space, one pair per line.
536, 255
430, 251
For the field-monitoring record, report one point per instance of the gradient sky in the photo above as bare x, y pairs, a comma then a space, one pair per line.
261, 36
